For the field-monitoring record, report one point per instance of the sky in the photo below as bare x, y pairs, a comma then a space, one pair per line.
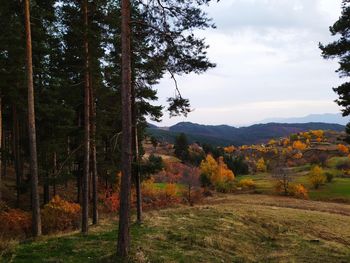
268, 63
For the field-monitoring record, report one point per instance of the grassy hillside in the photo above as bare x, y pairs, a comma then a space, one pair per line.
228, 228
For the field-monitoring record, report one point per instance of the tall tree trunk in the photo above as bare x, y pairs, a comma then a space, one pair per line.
93, 156
86, 172
54, 173
124, 212
36, 219
16, 152
136, 166
1, 148
138, 178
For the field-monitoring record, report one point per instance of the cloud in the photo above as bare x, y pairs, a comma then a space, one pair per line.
268, 62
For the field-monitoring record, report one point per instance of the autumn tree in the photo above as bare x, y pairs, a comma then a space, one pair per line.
317, 177
216, 173
261, 165
190, 178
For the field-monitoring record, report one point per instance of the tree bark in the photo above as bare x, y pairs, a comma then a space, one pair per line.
16, 152
54, 173
1, 148
93, 155
124, 212
85, 203
36, 219
136, 166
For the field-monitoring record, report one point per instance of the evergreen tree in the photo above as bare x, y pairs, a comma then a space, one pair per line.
340, 49
181, 147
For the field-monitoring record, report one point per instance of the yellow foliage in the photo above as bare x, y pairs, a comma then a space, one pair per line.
216, 172
272, 142
261, 166
209, 167
247, 184
317, 177
299, 145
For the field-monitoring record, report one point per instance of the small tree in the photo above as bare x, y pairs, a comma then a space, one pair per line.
154, 142
190, 177
317, 177
261, 166
181, 147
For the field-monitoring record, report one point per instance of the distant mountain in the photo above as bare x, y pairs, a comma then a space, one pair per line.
226, 135
325, 118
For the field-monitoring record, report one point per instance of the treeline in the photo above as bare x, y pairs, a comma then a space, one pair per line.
77, 68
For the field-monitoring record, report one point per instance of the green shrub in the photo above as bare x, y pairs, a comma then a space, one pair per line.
329, 177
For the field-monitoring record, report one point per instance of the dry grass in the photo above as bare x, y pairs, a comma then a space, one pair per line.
229, 228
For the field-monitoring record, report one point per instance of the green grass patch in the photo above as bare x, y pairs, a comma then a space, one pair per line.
335, 161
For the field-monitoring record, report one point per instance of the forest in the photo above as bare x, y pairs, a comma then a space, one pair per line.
85, 178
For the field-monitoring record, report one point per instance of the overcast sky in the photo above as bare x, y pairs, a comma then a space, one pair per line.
268, 63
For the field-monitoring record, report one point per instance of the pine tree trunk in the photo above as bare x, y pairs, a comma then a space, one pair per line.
138, 179
136, 167
86, 172
36, 219
54, 174
93, 157
16, 152
124, 212
1, 148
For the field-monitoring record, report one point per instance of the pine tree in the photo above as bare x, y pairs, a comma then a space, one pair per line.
340, 49
36, 219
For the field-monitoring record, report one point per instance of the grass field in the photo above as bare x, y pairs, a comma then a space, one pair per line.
337, 190
228, 228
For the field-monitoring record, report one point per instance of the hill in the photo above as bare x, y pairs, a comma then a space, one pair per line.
227, 228
324, 118
222, 135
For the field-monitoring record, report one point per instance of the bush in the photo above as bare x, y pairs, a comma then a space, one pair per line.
247, 184
170, 191
329, 177
224, 187
60, 215
299, 191
15, 223
110, 201
317, 177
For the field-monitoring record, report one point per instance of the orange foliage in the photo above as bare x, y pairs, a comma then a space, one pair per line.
318, 133
299, 191
60, 215
15, 223
299, 145
110, 201
343, 148
229, 149
298, 155
170, 191
216, 172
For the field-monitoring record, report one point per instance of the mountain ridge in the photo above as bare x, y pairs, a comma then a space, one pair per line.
221, 135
